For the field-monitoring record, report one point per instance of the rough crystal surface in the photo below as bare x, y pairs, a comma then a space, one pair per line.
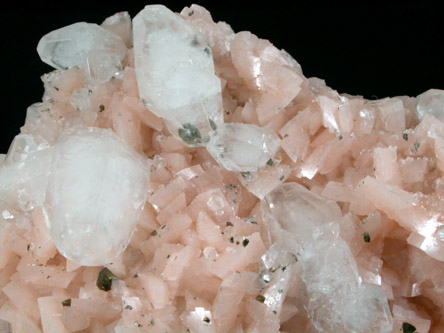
430, 102
92, 223
243, 147
338, 301
175, 73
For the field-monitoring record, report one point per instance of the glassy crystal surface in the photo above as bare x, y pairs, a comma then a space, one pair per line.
175, 74
84, 45
120, 25
96, 190
307, 225
100, 66
430, 102
41, 124
24, 174
243, 147
81, 99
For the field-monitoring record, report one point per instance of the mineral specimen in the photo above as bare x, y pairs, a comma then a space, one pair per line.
220, 189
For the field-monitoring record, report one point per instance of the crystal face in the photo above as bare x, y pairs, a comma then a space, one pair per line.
430, 102
83, 45
120, 24
92, 223
337, 299
24, 173
243, 147
175, 73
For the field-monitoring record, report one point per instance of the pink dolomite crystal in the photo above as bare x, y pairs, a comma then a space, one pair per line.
222, 189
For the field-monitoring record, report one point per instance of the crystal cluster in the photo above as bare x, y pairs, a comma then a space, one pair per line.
308, 226
177, 82
180, 177
175, 72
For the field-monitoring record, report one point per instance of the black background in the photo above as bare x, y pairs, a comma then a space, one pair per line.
370, 49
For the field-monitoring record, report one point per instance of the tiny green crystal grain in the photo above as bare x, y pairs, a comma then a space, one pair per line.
408, 328
366, 237
247, 175
212, 124
260, 298
189, 134
67, 302
105, 279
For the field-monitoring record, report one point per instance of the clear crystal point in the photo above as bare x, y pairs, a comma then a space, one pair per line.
338, 301
243, 147
175, 74
120, 24
96, 50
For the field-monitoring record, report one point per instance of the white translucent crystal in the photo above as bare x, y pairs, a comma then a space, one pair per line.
175, 74
276, 279
24, 173
200, 320
307, 225
100, 66
86, 45
40, 123
430, 102
120, 25
243, 147
81, 99
96, 190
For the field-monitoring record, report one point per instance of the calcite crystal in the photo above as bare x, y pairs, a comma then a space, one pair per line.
217, 189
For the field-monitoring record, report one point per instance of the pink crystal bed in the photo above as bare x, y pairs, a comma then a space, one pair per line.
178, 176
